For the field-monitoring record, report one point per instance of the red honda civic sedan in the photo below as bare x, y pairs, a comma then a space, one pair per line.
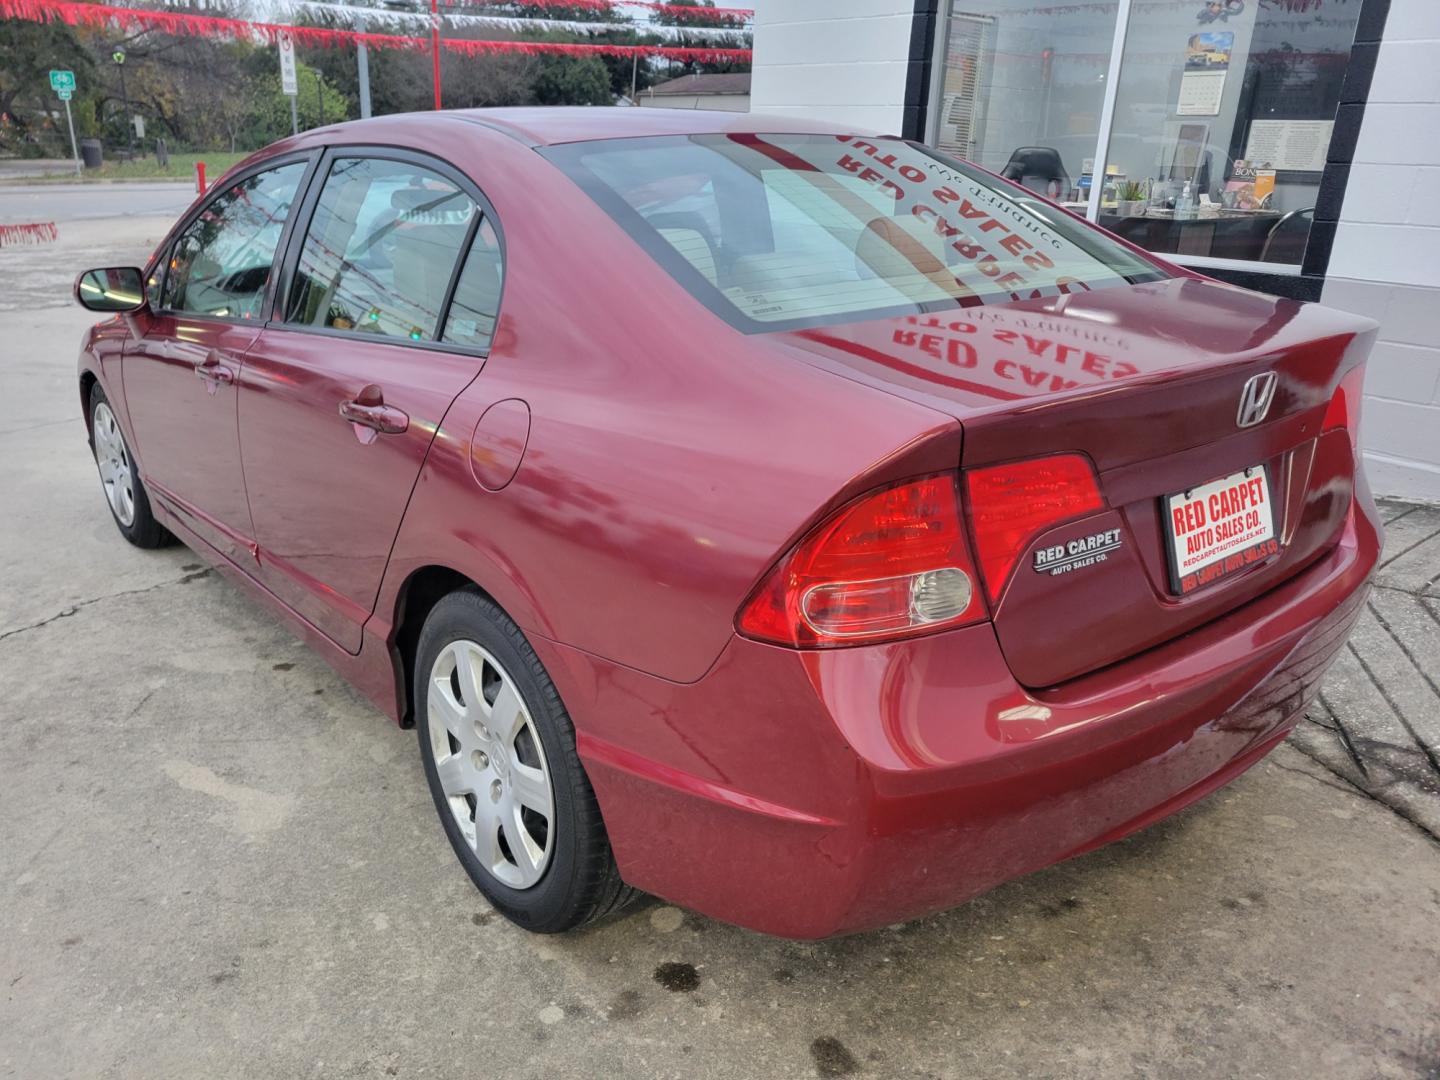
803, 526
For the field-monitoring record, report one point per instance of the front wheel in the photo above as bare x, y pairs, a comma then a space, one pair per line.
120, 480
499, 755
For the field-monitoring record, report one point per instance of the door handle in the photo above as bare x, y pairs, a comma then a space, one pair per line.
378, 416
212, 371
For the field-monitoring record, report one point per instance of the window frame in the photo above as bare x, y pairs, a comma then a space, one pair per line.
305, 212
162, 262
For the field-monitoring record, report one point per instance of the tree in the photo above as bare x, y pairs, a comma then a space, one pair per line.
27, 105
572, 80
318, 103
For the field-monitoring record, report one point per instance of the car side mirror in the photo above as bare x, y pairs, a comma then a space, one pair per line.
112, 289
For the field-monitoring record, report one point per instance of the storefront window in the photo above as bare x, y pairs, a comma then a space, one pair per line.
1221, 121
1020, 89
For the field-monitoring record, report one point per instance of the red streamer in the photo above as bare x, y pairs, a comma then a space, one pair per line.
181, 24
40, 232
607, 7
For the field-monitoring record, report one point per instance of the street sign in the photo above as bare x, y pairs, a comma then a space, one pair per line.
63, 83
287, 66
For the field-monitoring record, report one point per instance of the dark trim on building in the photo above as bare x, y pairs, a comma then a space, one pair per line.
1359, 73
1304, 287
917, 78
1330, 197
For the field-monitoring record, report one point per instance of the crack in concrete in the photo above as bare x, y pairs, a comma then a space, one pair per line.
1396, 588
1356, 789
1318, 779
1390, 698
1387, 522
1345, 737
1406, 551
78, 607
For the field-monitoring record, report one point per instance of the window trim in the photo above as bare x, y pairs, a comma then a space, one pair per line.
162, 256
305, 211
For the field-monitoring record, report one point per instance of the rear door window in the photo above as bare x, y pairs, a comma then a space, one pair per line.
381, 250
784, 231
476, 304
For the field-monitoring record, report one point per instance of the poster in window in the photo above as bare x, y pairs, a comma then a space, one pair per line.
1293, 145
1207, 59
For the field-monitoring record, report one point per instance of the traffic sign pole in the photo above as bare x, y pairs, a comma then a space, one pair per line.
70, 123
63, 83
288, 83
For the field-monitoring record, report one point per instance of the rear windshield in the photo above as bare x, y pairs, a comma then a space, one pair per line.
782, 231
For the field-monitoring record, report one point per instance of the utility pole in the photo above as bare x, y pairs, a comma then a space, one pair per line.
362, 69
319, 99
119, 57
435, 47
634, 69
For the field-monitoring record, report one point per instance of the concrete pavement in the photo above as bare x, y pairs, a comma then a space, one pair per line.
216, 859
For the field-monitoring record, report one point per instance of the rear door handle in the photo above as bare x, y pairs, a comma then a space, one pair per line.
378, 416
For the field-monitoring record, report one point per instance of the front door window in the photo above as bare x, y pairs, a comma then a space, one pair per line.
222, 262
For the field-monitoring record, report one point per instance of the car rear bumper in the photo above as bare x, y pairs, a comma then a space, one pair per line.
806, 794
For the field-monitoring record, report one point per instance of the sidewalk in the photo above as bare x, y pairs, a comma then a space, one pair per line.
1377, 723
25, 168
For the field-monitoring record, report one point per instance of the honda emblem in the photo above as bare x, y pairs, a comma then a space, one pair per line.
1255, 399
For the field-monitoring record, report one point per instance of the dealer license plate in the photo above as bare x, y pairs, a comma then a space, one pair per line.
1219, 529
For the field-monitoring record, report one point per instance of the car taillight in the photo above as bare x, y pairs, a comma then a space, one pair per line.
1012, 504
891, 564
1344, 408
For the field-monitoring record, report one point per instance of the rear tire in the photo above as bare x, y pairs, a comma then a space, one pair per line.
499, 755
120, 481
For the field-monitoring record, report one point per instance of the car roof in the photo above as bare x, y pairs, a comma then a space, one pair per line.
550, 125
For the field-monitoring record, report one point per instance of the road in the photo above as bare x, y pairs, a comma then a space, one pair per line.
216, 859
65, 203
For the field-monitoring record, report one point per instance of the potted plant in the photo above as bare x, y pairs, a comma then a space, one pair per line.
1131, 197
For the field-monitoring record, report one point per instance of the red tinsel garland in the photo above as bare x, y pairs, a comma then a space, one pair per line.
39, 232
184, 24
607, 7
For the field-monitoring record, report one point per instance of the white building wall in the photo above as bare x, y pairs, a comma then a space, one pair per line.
1386, 259
838, 60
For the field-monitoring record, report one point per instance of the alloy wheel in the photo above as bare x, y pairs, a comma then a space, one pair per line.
117, 473
490, 764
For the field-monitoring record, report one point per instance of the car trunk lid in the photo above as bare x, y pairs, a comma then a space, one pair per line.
1146, 382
